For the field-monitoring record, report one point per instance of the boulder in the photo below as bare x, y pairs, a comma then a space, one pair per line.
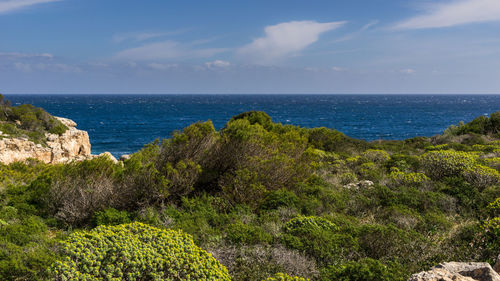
124, 157
496, 267
109, 155
458, 271
361, 184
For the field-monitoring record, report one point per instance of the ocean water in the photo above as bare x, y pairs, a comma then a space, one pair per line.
123, 124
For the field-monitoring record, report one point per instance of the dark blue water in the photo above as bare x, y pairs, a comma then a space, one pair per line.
122, 124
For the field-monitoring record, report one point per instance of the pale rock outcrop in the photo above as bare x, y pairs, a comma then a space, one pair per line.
73, 145
458, 271
124, 157
109, 155
365, 184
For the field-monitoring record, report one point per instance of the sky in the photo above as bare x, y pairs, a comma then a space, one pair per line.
235, 46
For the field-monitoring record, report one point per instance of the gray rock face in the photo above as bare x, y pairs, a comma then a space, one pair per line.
458, 271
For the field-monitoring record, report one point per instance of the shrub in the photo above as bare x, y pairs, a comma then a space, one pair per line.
364, 270
74, 192
135, 252
111, 217
241, 233
447, 163
409, 179
279, 198
255, 117
285, 277
493, 162
348, 178
260, 261
481, 176
301, 224
376, 155
318, 238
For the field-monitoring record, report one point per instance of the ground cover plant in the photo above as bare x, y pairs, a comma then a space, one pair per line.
257, 200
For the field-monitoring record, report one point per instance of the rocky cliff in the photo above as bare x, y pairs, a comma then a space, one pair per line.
72, 145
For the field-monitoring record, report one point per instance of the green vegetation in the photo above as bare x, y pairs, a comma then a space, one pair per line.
268, 201
27, 121
135, 252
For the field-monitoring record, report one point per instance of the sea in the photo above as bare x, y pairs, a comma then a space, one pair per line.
123, 124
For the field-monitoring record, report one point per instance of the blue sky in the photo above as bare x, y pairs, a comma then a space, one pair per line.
278, 46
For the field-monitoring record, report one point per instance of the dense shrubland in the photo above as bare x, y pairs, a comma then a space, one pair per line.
268, 201
27, 121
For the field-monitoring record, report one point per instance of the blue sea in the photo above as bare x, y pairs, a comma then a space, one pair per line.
123, 124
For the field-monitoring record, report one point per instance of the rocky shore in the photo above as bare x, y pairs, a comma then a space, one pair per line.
72, 145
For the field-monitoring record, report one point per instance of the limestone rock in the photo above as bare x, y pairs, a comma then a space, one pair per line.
360, 184
477, 270
496, 267
439, 275
73, 145
458, 271
124, 157
109, 155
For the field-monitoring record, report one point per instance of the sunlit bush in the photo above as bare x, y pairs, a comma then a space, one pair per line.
285, 277
410, 179
135, 252
481, 176
376, 155
446, 163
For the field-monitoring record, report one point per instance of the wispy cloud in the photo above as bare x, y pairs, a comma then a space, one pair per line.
285, 39
357, 33
454, 13
167, 50
12, 5
143, 36
25, 55
162, 66
217, 64
52, 67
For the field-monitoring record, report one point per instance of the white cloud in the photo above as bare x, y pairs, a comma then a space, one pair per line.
369, 25
162, 66
217, 64
12, 5
25, 55
142, 36
457, 12
52, 67
166, 50
24, 67
285, 39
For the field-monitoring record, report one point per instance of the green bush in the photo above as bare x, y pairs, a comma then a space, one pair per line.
481, 176
364, 270
111, 217
135, 252
240, 233
304, 224
376, 155
318, 238
409, 179
279, 198
447, 163
285, 277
